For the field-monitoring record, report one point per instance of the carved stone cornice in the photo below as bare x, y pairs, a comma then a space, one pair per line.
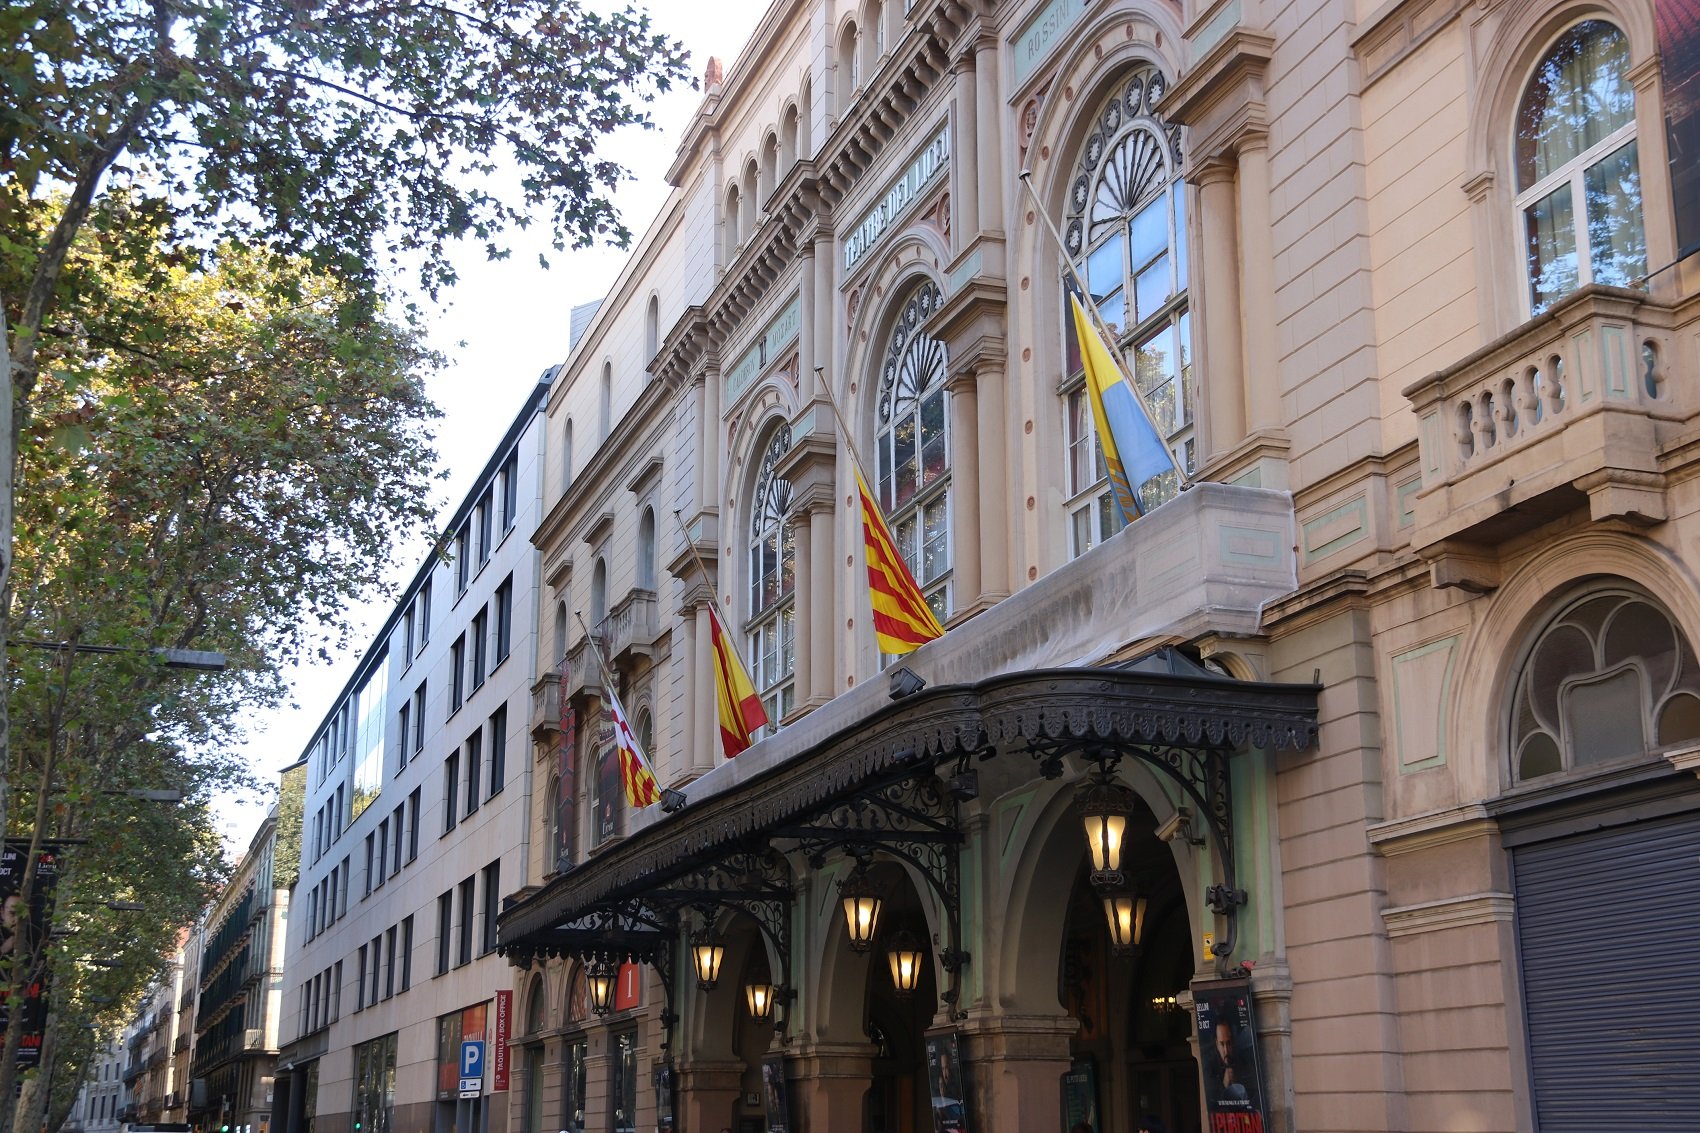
1223, 96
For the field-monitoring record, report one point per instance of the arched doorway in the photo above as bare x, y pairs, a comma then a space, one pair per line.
899, 1099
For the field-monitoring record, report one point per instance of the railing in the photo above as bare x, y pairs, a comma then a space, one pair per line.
546, 706
630, 627
1597, 369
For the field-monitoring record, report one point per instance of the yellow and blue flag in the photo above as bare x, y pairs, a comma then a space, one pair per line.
1134, 451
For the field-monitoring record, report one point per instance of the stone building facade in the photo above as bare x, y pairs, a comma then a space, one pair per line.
1398, 699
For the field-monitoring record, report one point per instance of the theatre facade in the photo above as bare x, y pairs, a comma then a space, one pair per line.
1334, 792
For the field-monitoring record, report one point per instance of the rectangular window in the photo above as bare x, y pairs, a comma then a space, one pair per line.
492, 904
341, 899
425, 613
339, 820
360, 979
406, 953
457, 658
504, 618
407, 653
445, 929
498, 749
310, 1003
419, 718
484, 516
313, 913
374, 1085
383, 853
377, 962
413, 825
474, 771
468, 891
509, 482
389, 962
373, 719
335, 888
397, 817
404, 736
451, 791
370, 848
463, 561
480, 644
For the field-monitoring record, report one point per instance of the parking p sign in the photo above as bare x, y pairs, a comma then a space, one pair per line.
471, 1067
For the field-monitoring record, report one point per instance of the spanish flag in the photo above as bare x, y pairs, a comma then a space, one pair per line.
903, 621
1133, 450
635, 772
741, 712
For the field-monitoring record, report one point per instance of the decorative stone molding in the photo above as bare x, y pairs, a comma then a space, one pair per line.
1435, 828
1450, 912
1685, 758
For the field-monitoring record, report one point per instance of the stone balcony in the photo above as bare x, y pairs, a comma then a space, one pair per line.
631, 628
546, 707
1573, 409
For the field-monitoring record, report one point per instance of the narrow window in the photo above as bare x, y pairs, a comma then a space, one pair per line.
468, 892
451, 791
499, 749
406, 953
504, 618
492, 904
474, 770
413, 825
457, 661
445, 929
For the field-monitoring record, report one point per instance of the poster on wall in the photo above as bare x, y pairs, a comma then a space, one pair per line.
1080, 1096
773, 1094
1227, 1057
1678, 23
944, 1074
664, 1097
13, 858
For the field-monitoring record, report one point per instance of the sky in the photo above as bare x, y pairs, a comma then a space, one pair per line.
503, 324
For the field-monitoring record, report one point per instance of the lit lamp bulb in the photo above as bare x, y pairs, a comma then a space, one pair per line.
906, 958
1126, 915
760, 997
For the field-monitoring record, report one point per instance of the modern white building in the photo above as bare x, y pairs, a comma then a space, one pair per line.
414, 826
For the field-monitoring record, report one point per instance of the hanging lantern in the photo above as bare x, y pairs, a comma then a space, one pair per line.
706, 955
1126, 914
906, 958
760, 997
1105, 807
861, 908
600, 979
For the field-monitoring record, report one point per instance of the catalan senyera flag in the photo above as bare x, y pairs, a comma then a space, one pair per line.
903, 622
635, 772
741, 711
1133, 449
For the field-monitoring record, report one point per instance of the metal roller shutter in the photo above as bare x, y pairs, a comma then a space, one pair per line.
1608, 928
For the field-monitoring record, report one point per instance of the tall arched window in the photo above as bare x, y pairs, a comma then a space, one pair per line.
598, 593
1610, 678
567, 455
561, 631
652, 329
1126, 231
773, 607
1578, 177
849, 66
914, 447
646, 550
733, 209
605, 402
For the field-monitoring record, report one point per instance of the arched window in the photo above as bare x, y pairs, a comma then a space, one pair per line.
1578, 178
769, 166
1125, 228
1610, 678
605, 404
732, 211
773, 607
646, 550
752, 200
874, 21
534, 1006
788, 140
652, 329
914, 447
567, 455
561, 631
805, 107
849, 66
598, 593
645, 730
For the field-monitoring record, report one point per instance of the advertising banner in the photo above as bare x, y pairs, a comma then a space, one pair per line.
1227, 1057
773, 1094
944, 1074
14, 856
499, 1055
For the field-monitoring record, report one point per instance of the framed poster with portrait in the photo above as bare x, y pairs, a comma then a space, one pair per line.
1227, 1055
949, 1091
775, 1099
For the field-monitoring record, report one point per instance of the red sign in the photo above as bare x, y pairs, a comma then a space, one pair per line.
504, 1024
628, 988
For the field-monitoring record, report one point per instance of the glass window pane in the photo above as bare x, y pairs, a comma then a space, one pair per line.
935, 553
1080, 530
1579, 94
1154, 364
1180, 236
787, 581
904, 534
884, 447
1183, 341
1148, 233
1550, 227
1151, 289
1080, 472
903, 477
1617, 243
935, 461
1105, 269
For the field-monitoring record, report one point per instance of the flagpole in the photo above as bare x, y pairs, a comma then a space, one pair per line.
601, 661
1103, 328
844, 429
696, 556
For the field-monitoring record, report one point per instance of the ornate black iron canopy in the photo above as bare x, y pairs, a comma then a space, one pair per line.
1164, 710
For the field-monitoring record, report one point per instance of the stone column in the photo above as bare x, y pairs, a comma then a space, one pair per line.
828, 1081
1217, 301
701, 486
598, 1080
993, 482
989, 149
691, 760
1257, 286
1018, 1062
818, 320
709, 455
823, 615
806, 298
704, 724
708, 1095
966, 489
802, 667
964, 189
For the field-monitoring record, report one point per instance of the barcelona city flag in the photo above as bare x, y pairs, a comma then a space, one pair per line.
1133, 450
741, 712
903, 621
635, 772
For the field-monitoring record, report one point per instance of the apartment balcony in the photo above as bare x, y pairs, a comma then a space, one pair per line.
583, 676
1574, 409
546, 707
631, 628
